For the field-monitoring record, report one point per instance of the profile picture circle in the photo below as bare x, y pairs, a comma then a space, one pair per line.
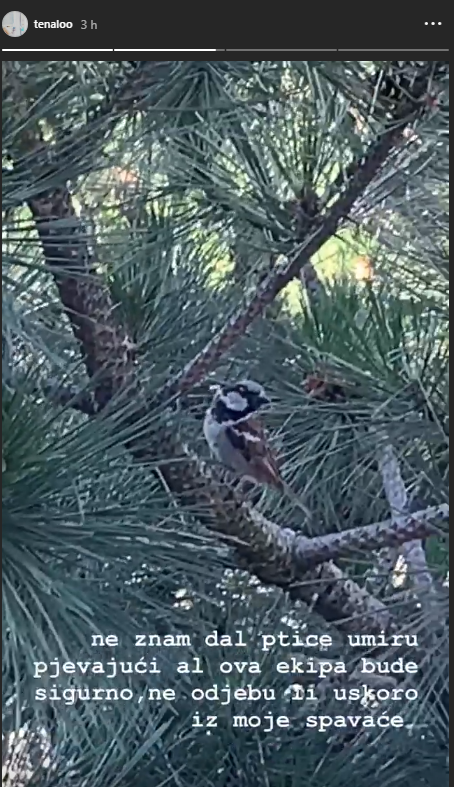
15, 24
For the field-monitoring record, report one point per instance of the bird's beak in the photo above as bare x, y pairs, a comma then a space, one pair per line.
262, 400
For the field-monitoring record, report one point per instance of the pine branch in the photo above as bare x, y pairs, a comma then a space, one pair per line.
318, 230
267, 550
105, 346
393, 532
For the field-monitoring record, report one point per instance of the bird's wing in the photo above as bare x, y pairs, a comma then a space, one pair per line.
249, 438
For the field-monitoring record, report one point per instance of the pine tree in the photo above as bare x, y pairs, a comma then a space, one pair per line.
168, 224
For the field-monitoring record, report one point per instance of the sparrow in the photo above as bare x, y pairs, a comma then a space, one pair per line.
237, 439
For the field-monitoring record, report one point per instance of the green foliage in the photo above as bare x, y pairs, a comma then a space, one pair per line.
178, 170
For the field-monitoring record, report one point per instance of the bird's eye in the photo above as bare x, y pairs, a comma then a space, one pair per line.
242, 390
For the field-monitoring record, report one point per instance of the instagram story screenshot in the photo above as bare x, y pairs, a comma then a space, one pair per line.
225, 420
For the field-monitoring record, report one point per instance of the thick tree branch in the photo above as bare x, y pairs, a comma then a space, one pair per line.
104, 343
392, 532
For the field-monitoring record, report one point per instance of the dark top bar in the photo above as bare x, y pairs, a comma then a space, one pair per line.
267, 35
